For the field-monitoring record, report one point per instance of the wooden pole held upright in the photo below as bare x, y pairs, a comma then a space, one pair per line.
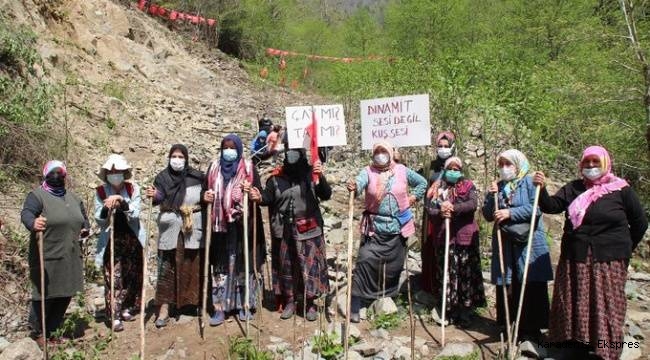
41, 260
348, 301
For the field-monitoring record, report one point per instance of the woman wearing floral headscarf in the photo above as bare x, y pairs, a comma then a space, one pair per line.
177, 190
604, 222
457, 200
60, 216
516, 194
120, 195
387, 223
228, 178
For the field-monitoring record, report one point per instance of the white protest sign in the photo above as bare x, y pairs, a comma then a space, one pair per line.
402, 121
330, 124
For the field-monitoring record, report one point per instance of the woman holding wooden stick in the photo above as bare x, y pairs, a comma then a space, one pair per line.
456, 199
297, 238
387, 222
604, 223
120, 196
228, 179
59, 215
516, 195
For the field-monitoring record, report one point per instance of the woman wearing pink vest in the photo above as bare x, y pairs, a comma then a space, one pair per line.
387, 222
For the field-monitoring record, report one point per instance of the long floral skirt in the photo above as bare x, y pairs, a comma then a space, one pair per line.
127, 274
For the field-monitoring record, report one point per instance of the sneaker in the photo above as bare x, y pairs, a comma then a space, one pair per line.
288, 311
118, 326
161, 322
312, 314
243, 317
217, 318
127, 316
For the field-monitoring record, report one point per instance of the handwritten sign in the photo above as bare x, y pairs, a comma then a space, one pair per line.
330, 124
402, 121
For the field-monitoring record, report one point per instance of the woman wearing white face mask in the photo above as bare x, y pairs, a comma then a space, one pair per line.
604, 223
387, 223
516, 194
177, 190
123, 198
227, 179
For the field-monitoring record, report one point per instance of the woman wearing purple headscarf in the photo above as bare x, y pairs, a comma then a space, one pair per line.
604, 223
60, 216
227, 180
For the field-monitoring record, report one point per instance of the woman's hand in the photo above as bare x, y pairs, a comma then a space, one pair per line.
539, 178
412, 200
208, 196
150, 192
113, 201
352, 186
317, 168
433, 189
40, 223
255, 195
493, 187
501, 215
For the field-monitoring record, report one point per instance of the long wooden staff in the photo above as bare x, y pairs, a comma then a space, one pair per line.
531, 233
206, 268
348, 302
445, 279
257, 283
112, 269
145, 276
503, 274
411, 321
246, 263
41, 260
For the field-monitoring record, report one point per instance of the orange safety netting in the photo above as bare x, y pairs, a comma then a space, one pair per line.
286, 53
173, 15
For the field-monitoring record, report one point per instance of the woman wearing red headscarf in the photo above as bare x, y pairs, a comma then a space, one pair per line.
604, 223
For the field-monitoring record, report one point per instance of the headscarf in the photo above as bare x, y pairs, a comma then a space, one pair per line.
606, 184
47, 169
174, 183
229, 168
453, 160
446, 135
385, 172
519, 160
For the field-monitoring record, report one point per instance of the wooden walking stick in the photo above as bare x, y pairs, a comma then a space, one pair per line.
445, 279
145, 276
112, 268
411, 322
257, 283
41, 260
348, 301
336, 285
503, 274
246, 263
531, 233
206, 269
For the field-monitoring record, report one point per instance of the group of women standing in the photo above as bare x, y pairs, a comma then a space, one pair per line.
604, 223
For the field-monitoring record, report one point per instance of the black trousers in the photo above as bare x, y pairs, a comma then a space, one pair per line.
535, 309
54, 312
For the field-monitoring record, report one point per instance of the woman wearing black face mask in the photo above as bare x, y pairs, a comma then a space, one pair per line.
177, 190
298, 243
60, 216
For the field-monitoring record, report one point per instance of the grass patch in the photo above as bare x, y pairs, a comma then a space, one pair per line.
327, 345
115, 89
242, 348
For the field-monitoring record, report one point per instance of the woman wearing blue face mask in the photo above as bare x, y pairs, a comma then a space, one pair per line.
386, 224
122, 197
516, 194
604, 223
228, 177
456, 199
177, 190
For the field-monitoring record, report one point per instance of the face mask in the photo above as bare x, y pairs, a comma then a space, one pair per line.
293, 156
177, 164
444, 153
381, 159
229, 154
55, 180
115, 179
507, 173
592, 173
452, 176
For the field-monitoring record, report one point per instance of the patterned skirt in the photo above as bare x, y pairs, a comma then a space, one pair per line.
299, 266
465, 279
179, 275
127, 274
589, 304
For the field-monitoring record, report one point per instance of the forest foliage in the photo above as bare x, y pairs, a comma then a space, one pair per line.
550, 77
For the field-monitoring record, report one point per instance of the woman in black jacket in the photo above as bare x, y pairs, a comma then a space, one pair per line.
604, 224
